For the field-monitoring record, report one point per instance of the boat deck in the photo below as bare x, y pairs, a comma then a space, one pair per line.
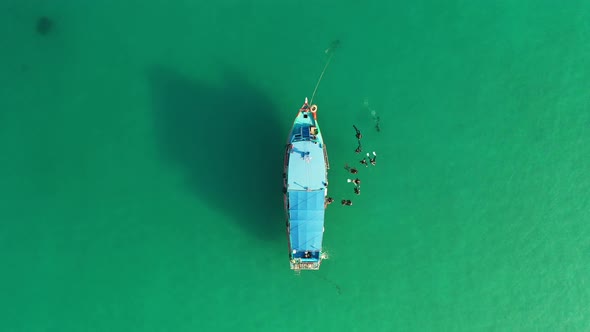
307, 160
307, 167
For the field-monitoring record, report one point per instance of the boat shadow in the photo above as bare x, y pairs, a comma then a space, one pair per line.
228, 142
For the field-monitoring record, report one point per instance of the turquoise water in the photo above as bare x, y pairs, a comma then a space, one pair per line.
142, 155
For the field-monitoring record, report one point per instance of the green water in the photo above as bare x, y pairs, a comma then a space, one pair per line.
142, 155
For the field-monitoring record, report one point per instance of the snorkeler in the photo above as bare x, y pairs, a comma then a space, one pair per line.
359, 148
356, 181
358, 133
374, 115
372, 160
350, 169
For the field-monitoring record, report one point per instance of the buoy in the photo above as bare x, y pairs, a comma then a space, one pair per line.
314, 109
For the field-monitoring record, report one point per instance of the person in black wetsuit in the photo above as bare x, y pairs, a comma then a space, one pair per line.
373, 160
358, 133
358, 136
351, 169
357, 181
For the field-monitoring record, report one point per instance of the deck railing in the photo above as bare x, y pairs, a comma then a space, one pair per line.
326, 157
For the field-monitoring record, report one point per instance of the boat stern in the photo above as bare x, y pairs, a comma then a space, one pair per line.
306, 260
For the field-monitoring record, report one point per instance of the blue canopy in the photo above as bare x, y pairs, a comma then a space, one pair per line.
306, 210
307, 167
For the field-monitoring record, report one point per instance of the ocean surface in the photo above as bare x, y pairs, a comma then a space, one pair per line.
142, 147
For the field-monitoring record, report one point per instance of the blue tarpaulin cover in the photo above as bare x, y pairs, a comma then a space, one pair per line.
306, 209
307, 167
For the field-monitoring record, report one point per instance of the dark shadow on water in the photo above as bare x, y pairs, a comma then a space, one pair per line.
228, 141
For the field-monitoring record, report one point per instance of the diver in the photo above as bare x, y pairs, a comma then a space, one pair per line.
359, 148
357, 181
358, 133
374, 115
373, 160
376, 119
351, 169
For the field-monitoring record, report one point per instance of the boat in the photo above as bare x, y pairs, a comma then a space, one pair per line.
305, 181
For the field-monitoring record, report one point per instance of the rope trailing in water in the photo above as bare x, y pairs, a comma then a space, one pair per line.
322, 75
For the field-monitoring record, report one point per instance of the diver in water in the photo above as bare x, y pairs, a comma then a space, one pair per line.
357, 181
374, 115
377, 126
351, 169
358, 136
373, 160
376, 119
359, 148
358, 133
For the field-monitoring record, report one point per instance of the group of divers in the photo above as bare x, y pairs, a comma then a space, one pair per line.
369, 159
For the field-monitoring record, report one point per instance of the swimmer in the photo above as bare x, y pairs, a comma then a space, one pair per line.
357, 190
329, 200
346, 202
374, 115
350, 169
372, 160
364, 162
356, 181
359, 149
358, 133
